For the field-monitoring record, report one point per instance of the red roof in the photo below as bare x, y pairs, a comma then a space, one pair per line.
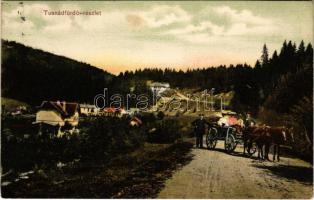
110, 110
137, 120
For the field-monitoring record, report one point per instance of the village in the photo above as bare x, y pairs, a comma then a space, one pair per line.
62, 116
166, 124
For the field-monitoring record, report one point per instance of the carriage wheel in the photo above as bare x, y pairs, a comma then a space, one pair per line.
211, 138
252, 150
230, 143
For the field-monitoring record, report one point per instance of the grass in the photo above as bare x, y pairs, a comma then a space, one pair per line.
140, 174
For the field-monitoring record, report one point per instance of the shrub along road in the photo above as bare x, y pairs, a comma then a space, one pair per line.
215, 174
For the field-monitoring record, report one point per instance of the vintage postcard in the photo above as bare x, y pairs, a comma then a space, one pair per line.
157, 99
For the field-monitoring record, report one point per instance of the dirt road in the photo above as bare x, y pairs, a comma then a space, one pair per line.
215, 174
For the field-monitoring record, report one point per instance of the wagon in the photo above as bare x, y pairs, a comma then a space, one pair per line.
228, 134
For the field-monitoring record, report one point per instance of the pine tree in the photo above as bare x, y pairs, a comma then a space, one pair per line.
291, 49
301, 49
264, 57
283, 48
294, 47
309, 55
275, 56
257, 64
300, 55
309, 50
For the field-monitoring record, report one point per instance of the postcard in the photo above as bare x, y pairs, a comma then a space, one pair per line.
157, 99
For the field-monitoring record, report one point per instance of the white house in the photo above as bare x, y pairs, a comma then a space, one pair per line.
57, 114
158, 87
87, 109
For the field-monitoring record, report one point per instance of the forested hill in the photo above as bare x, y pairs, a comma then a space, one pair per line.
278, 80
32, 75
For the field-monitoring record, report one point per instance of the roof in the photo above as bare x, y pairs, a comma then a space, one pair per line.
159, 84
87, 106
64, 108
137, 120
110, 110
228, 112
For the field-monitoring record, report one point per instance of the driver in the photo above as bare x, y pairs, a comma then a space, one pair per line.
249, 121
199, 125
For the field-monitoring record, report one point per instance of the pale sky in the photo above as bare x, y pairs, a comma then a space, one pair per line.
181, 35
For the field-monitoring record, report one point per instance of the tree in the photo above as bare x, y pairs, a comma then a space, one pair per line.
309, 54
257, 64
275, 56
264, 57
283, 49
301, 49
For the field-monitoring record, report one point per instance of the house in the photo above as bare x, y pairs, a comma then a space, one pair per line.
159, 87
110, 111
14, 110
57, 114
89, 110
135, 121
133, 111
114, 112
123, 112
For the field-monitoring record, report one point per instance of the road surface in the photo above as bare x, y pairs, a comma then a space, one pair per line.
215, 174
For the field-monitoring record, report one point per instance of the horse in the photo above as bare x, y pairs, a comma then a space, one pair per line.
278, 136
258, 135
262, 138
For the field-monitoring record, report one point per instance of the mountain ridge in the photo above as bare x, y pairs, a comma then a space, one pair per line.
33, 75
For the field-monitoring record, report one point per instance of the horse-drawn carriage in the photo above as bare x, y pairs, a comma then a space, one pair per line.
226, 133
232, 131
231, 135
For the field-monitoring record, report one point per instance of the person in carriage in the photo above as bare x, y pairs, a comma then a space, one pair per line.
230, 119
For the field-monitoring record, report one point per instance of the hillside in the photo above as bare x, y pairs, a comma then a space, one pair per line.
12, 104
191, 102
32, 75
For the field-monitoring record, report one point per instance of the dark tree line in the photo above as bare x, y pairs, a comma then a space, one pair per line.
253, 86
32, 75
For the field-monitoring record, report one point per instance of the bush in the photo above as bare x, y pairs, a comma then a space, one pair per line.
167, 131
107, 136
302, 120
160, 115
99, 140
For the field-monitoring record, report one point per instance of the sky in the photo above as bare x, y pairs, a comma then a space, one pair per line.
180, 35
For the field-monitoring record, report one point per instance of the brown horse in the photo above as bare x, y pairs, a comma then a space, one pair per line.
260, 135
265, 136
278, 136
257, 135
262, 139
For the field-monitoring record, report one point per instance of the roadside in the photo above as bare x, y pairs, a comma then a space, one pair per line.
140, 174
215, 174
